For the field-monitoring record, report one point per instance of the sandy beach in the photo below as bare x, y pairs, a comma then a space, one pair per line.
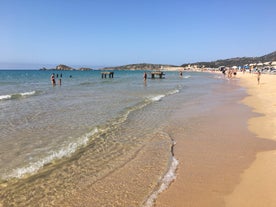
257, 186
230, 159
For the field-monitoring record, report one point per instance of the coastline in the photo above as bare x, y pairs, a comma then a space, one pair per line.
218, 160
219, 165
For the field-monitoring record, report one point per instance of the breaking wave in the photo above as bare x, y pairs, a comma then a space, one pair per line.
64, 152
17, 95
71, 148
160, 96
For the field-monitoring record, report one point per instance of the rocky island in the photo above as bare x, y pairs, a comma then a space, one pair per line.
66, 67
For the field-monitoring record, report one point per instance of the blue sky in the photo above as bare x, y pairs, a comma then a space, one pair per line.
37, 33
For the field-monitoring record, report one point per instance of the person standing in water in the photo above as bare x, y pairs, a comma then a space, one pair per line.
53, 79
60, 77
145, 76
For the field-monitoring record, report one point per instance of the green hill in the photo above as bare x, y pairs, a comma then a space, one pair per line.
140, 66
238, 61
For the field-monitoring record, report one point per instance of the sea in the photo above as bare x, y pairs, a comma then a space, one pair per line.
93, 141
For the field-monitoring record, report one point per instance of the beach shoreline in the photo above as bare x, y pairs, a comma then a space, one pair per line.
218, 166
214, 157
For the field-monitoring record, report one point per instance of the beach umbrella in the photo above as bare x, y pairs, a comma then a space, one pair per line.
260, 64
267, 63
273, 63
235, 67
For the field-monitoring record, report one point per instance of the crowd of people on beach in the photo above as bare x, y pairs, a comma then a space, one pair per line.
230, 73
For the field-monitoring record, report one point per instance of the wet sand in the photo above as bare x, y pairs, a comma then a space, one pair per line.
219, 156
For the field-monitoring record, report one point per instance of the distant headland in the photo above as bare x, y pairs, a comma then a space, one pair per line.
238, 61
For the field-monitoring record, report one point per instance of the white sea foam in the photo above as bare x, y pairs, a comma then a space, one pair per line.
148, 100
4, 97
157, 98
173, 92
166, 181
64, 152
17, 95
28, 93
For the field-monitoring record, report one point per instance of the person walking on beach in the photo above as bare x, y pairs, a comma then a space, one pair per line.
258, 76
230, 72
224, 72
235, 72
53, 79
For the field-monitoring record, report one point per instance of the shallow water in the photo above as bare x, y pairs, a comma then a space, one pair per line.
90, 139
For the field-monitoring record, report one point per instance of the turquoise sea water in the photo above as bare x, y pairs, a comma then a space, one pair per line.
87, 126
